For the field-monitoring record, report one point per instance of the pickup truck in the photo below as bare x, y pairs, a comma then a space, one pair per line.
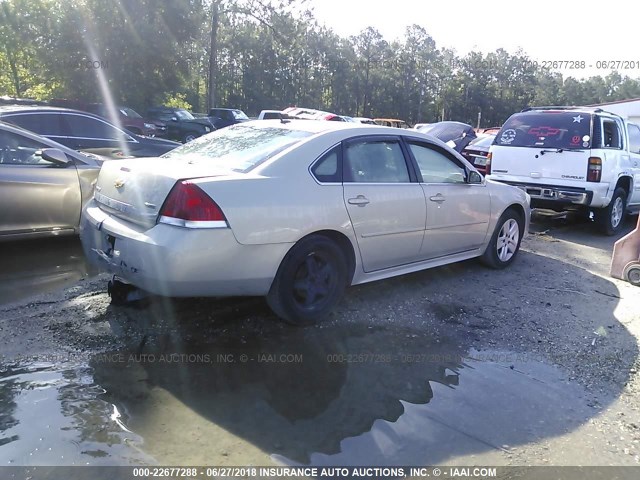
571, 158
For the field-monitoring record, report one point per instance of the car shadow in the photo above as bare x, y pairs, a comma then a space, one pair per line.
32, 267
417, 369
578, 229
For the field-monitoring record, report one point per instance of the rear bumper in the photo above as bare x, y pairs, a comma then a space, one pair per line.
178, 262
557, 196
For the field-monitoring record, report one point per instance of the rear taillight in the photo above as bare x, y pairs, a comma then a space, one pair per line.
189, 206
594, 171
488, 165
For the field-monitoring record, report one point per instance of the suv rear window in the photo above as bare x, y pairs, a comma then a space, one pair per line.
550, 129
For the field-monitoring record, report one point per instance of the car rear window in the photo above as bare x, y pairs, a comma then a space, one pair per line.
239, 148
483, 141
550, 129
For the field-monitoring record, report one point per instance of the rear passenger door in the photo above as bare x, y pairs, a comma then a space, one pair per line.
85, 132
457, 212
385, 203
634, 149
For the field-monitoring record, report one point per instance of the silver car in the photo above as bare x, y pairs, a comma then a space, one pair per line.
296, 210
43, 185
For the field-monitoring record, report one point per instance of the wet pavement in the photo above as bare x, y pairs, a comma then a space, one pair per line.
32, 267
352, 395
455, 366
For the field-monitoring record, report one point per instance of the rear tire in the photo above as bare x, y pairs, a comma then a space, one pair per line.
310, 281
610, 219
505, 241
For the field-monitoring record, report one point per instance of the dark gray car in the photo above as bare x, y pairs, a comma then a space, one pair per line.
84, 131
43, 185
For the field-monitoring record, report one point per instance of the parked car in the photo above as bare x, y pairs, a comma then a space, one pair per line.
296, 211
365, 120
270, 115
223, 117
477, 151
391, 122
572, 158
131, 120
311, 114
122, 116
84, 131
455, 134
181, 124
43, 185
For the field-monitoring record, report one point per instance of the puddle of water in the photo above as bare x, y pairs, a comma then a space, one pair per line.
52, 415
320, 396
336, 396
38, 266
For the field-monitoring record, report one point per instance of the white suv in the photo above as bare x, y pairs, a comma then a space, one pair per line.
571, 158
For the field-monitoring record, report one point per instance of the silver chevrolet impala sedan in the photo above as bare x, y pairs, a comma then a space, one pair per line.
296, 210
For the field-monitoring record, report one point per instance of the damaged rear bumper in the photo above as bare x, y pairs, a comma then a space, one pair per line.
175, 261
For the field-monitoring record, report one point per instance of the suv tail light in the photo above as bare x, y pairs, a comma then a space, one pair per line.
594, 171
488, 165
187, 205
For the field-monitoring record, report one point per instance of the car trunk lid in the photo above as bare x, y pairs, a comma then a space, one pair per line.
136, 189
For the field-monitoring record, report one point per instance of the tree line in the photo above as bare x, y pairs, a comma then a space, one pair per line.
254, 55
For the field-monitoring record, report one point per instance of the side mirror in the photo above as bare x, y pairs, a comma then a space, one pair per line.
474, 178
55, 156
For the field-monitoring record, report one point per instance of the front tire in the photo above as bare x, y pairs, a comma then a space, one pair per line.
611, 218
310, 281
189, 137
505, 241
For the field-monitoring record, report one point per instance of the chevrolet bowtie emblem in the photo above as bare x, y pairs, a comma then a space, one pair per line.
119, 183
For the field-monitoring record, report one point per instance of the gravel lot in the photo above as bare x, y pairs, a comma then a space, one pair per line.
533, 365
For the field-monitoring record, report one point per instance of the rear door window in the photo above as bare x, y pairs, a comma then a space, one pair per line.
377, 161
547, 129
82, 126
46, 124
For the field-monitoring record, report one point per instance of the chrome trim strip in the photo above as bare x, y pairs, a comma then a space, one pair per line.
179, 222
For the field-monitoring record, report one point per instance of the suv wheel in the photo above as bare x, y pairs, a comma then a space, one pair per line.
611, 218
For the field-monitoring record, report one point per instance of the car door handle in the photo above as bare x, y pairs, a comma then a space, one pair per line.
360, 201
437, 198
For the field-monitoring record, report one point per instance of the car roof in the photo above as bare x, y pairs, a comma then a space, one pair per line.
323, 126
570, 109
40, 109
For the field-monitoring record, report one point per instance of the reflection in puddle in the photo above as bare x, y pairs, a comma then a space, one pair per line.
37, 266
50, 416
334, 396
321, 396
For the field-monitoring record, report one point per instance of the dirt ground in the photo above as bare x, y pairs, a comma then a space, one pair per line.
534, 365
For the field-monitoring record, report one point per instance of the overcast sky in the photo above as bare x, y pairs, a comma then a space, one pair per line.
545, 30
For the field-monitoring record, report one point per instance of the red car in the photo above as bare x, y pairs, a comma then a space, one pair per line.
478, 150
